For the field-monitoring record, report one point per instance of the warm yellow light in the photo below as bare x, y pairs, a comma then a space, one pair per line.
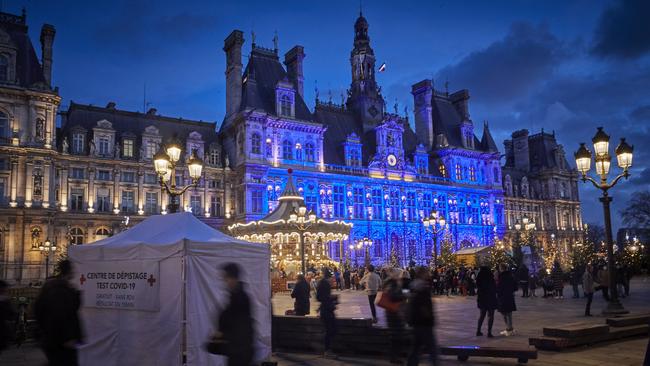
195, 166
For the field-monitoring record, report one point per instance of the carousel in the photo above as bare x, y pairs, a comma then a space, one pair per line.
299, 240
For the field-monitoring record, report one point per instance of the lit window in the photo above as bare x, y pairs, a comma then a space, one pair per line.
472, 174
102, 233
127, 148
256, 144
287, 150
443, 170
459, 172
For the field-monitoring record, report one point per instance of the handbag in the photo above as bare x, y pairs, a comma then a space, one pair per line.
216, 346
386, 303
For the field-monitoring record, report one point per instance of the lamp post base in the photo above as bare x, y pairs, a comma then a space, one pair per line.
614, 307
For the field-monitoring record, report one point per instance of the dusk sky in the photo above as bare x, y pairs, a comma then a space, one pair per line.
567, 66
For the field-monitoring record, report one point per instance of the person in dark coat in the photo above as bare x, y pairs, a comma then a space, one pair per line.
487, 298
236, 321
301, 294
346, 279
392, 288
420, 317
574, 280
7, 315
327, 307
522, 277
558, 281
506, 287
532, 285
57, 314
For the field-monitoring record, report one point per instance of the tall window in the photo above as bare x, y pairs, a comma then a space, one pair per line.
195, 204
3, 189
128, 201
287, 150
256, 144
394, 205
76, 199
150, 149
215, 206
310, 152
4, 126
213, 158
285, 106
76, 236
103, 200
355, 157
338, 200
4, 68
497, 176
443, 170
459, 172
426, 203
103, 146
377, 205
358, 198
151, 203
298, 151
410, 206
376, 247
472, 173
127, 148
78, 142
256, 201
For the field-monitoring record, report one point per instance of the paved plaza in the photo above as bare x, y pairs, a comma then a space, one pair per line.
456, 321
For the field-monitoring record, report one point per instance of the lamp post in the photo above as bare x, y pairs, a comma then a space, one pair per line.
47, 249
366, 244
525, 227
301, 221
165, 162
603, 160
434, 224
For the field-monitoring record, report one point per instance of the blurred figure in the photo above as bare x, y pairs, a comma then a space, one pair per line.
337, 278
327, 307
603, 282
421, 318
506, 288
235, 321
487, 299
301, 294
574, 279
588, 287
57, 314
7, 315
392, 291
558, 280
371, 282
522, 276
532, 285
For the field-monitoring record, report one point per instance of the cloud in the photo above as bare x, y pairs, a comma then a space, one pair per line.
508, 69
641, 113
623, 30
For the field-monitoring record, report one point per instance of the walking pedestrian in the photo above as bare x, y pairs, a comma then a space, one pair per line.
574, 279
337, 278
506, 288
603, 282
371, 283
421, 318
7, 315
57, 314
346, 278
327, 307
487, 299
558, 281
301, 293
522, 277
588, 288
532, 284
392, 300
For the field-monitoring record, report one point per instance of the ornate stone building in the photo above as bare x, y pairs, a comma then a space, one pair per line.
355, 160
539, 183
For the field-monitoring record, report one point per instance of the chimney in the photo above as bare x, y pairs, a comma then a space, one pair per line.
110, 105
232, 46
422, 94
47, 39
293, 61
460, 100
521, 151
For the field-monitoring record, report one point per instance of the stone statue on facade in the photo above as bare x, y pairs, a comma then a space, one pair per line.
116, 151
65, 145
91, 147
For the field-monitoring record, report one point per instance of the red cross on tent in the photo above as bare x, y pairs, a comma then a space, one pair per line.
82, 279
151, 280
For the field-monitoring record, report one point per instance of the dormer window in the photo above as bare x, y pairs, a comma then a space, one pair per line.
213, 158
4, 68
104, 146
127, 148
256, 144
78, 143
355, 157
287, 150
150, 149
285, 106
310, 153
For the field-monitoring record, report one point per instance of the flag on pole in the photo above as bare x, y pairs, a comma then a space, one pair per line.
382, 67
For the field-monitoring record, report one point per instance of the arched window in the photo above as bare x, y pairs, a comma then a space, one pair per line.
102, 233
4, 126
76, 236
4, 68
256, 144
287, 150
285, 106
310, 152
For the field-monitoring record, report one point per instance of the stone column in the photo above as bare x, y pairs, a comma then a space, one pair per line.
14, 182
116, 191
206, 196
91, 189
227, 195
140, 192
29, 183
10, 249
63, 188
47, 176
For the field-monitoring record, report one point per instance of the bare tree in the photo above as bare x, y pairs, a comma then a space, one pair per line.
637, 211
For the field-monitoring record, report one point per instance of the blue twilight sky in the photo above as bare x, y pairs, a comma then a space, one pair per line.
567, 66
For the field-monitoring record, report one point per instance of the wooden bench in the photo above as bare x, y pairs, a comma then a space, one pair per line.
576, 330
551, 343
463, 353
626, 321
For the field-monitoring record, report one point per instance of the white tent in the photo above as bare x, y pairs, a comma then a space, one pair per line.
166, 269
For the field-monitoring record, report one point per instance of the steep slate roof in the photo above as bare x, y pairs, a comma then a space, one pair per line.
447, 121
487, 142
29, 72
542, 148
261, 75
132, 123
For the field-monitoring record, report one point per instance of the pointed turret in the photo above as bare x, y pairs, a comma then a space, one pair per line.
487, 142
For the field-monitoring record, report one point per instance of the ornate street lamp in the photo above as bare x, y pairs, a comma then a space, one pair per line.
366, 244
302, 221
47, 249
435, 224
602, 161
165, 164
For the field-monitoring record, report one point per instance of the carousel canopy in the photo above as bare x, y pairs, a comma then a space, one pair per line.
291, 217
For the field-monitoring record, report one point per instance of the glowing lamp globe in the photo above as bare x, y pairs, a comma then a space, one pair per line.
624, 154
601, 142
583, 159
161, 162
602, 164
195, 166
